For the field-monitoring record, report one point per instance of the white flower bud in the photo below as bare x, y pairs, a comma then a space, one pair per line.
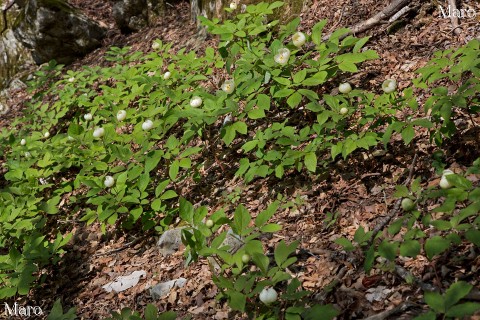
196, 102
268, 295
299, 39
109, 181
444, 184
147, 125
88, 116
98, 132
23, 142
46, 134
167, 75
155, 46
72, 79
121, 115
228, 86
282, 56
345, 87
233, 5
389, 85
343, 111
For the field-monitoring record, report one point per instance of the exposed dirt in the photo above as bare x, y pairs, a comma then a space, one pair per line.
360, 191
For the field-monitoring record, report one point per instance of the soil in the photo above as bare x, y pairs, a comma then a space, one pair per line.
359, 191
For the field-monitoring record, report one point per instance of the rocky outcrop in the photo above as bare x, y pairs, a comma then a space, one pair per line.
130, 15
53, 29
14, 58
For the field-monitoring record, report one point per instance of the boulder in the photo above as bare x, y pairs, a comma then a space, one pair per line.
130, 15
53, 29
14, 58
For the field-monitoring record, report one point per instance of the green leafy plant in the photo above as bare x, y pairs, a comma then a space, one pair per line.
57, 312
245, 274
458, 70
151, 313
447, 305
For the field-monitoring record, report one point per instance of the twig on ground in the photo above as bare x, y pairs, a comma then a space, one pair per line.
386, 13
396, 207
408, 277
453, 17
402, 307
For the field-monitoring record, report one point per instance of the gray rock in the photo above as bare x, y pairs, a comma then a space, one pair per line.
130, 15
233, 241
170, 241
162, 289
53, 29
14, 58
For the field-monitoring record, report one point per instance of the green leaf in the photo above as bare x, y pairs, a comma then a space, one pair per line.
57, 312
169, 194
270, 228
237, 301
294, 100
459, 181
156, 204
410, 248
152, 159
456, 292
283, 81
435, 301
388, 250
473, 236
311, 95
436, 245
267, 78
173, 170
266, 214
299, 76
275, 5
360, 43
369, 259
321, 312
136, 213
401, 191
229, 134
282, 251
316, 79
283, 93
317, 31
143, 182
430, 315
345, 243
310, 161
348, 66
463, 310
240, 127
408, 133
186, 210
161, 186
74, 129
241, 220
256, 114
261, 261
336, 149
